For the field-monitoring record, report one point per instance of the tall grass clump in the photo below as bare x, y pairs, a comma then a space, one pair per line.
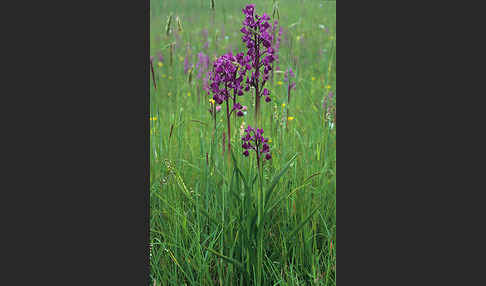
243, 192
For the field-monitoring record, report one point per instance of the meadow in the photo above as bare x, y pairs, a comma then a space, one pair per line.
218, 217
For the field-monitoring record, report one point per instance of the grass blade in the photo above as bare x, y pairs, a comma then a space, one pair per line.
302, 224
224, 257
277, 178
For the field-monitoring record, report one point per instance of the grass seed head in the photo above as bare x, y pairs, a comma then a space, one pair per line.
171, 53
179, 24
189, 78
167, 26
275, 10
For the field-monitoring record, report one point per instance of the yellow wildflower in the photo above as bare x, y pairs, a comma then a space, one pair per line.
279, 82
313, 78
211, 101
153, 118
270, 140
189, 94
328, 86
290, 118
283, 105
160, 64
163, 75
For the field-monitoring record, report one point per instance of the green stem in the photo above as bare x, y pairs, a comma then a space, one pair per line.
228, 123
260, 222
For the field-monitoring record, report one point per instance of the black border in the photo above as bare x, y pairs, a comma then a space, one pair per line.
147, 136
76, 191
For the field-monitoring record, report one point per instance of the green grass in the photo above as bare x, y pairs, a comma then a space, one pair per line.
204, 222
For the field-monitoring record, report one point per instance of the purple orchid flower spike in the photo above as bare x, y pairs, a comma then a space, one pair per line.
330, 96
291, 85
187, 61
253, 140
326, 102
204, 33
202, 64
289, 73
258, 38
277, 42
226, 79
